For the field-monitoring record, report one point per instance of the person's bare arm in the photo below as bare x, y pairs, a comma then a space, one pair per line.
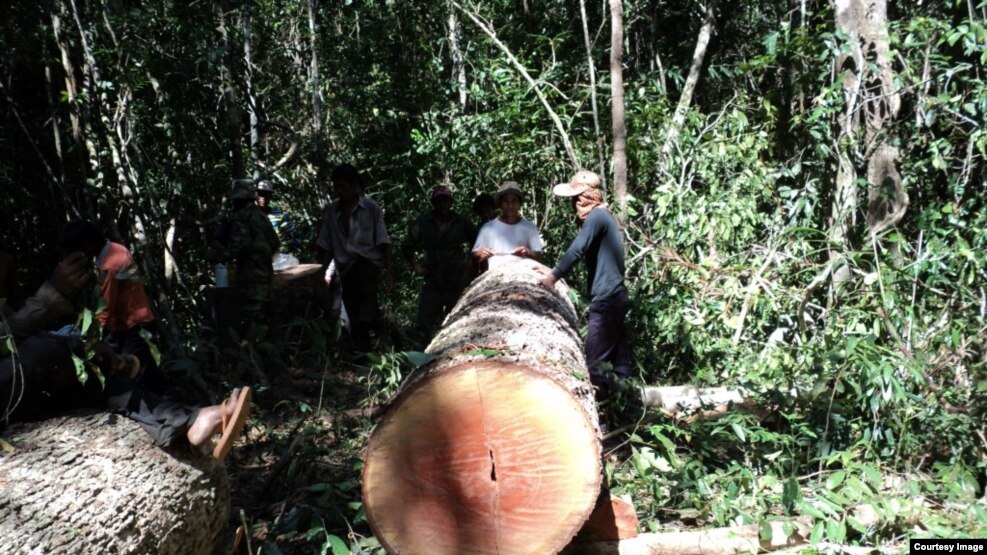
525, 252
51, 302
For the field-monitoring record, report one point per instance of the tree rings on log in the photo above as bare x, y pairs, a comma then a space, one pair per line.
494, 447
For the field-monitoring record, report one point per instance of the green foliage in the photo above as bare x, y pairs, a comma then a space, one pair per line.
728, 230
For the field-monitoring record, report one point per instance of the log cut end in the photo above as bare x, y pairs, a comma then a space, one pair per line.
483, 457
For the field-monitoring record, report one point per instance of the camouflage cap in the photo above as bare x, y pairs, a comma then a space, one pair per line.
265, 185
243, 189
509, 188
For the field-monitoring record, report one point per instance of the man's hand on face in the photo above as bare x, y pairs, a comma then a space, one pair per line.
71, 273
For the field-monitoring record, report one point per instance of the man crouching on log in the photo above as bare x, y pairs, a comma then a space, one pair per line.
599, 243
36, 366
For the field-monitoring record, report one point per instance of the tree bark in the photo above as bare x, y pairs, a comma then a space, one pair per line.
458, 58
494, 446
229, 113
248, 78
316, 90
96, 484
872, 102
698, 55
617, 104
717, 541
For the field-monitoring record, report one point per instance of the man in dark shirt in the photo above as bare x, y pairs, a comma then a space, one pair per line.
599, 243
444, 237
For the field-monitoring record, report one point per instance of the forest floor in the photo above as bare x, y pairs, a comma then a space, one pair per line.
295, 475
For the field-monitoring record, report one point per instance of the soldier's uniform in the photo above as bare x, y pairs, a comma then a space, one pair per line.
252, 242
445, 245
281, 221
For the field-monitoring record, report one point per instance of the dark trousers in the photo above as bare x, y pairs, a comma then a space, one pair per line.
43, 365
131, 342
42, 378
360, 283
433, 305
606, 341
164, 420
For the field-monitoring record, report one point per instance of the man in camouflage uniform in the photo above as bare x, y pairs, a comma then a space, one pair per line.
445, 238
280, 220
251, 244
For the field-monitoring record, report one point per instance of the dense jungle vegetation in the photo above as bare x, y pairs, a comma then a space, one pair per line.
802, 185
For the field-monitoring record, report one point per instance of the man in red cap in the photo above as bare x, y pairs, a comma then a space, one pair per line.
599, 243
444, 238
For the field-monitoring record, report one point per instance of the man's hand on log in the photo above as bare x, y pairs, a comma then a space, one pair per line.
548, 278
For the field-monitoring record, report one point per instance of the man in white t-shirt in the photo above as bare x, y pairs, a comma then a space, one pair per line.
509, 236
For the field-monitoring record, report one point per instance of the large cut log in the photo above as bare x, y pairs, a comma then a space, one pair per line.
494, 446
96, 484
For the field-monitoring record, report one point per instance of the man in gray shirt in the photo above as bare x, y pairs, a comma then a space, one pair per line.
599, 243
353, 235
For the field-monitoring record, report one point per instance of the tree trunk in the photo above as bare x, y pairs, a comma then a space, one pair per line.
872, 102
698, 55
591, 70
617, 108
731, 540
246, 24
316, 89
494, 446
458, 58
96, 484
229, 114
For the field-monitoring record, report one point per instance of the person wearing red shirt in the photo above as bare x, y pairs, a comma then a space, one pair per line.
127, 315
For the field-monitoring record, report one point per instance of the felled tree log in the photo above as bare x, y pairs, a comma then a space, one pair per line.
731, 540
95, 483
684, 398
688, 403
494, 446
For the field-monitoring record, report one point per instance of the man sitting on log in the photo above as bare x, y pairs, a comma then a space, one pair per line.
600, 244
127, 316
508, 235
36, 368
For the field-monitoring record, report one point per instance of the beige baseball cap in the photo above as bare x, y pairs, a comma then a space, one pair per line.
509, 187
581, 182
